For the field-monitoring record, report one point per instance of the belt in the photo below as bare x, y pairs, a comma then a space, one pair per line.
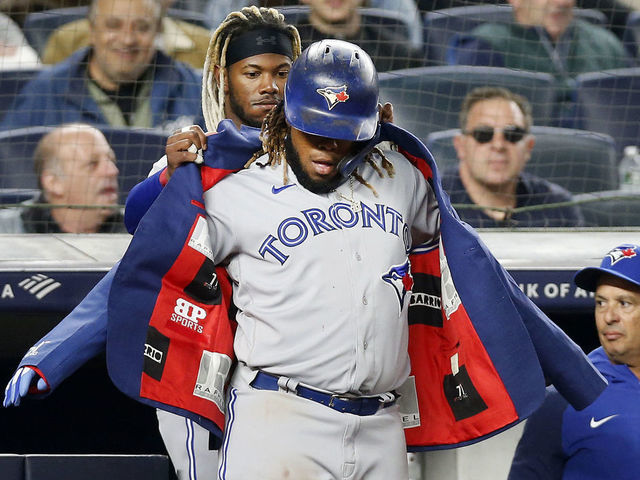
362, 406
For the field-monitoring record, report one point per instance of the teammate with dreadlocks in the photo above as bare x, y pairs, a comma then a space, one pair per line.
308, 232
247, 64
245, 71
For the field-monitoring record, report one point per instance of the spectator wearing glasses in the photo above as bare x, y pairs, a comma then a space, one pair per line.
493, 149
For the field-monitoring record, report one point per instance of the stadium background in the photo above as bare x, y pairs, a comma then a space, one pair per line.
88, 415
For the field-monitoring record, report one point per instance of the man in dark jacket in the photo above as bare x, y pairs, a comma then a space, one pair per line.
75, 166
388, 47
493, 148
120, 80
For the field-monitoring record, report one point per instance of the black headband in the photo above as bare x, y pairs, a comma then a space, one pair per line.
257, 42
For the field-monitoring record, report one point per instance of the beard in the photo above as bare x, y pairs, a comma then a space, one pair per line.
314, 186
239, 110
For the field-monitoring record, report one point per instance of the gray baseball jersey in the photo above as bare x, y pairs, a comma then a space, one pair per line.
312, 276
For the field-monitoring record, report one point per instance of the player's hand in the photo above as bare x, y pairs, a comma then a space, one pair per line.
386, 112
19, 384
185, 146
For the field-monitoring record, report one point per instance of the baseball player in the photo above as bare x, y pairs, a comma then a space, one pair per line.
314, 314
247, 65
603, 440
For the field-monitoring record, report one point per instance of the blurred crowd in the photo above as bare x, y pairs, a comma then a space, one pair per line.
137, 65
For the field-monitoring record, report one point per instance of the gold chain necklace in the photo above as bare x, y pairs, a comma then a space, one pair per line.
355, 205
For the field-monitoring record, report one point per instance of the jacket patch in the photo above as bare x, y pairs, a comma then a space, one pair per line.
425, 306
155, 353
463, 398
204, 287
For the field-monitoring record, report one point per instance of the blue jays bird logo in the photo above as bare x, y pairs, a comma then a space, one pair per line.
399, 277
334, 95
618, 254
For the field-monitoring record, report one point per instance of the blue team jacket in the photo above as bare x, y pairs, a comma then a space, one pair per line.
507, 349
58, 94
602, 441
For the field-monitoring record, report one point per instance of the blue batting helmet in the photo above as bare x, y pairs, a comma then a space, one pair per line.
332, 91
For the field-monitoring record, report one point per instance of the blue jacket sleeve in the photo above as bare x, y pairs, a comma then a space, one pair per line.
469, 50
80, 336
539, 452
140, 199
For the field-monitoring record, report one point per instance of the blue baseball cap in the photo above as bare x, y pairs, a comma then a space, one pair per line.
622, 262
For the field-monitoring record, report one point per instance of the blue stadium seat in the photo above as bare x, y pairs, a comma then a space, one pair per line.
631, 35
10, 196
136, 150
428, 99
441, 25
11, 82
611, 208
609, 102
38, 26
579, 161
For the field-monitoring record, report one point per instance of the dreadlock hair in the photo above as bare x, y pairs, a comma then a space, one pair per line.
274, 131
236, 23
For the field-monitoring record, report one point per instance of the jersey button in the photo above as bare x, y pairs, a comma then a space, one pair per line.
365, 301
365, 345
358, 257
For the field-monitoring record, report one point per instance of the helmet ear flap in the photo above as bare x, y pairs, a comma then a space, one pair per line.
332, 91
349, 163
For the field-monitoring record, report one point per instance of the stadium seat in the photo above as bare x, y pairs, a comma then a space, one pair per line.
611, 208
428, 99
609, 102
38, 26
96, 467
631, 35
136, 150
441, 25
298, 14
11, 82
10, 196
579, 161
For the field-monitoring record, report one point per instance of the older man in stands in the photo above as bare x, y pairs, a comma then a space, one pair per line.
180, 39
76, 167
122, 79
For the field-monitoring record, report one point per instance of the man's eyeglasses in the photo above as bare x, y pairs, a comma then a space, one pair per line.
512, 134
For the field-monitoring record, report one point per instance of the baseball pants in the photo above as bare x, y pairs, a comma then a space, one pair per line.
274, 435
188, 446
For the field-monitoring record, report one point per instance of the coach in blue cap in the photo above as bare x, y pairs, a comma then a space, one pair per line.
603, 440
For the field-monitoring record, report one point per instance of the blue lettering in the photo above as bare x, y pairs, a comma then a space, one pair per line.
283, 235
317, 220
267, 247
406, 237
334, 213
368, 215
396, 218
294, 231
